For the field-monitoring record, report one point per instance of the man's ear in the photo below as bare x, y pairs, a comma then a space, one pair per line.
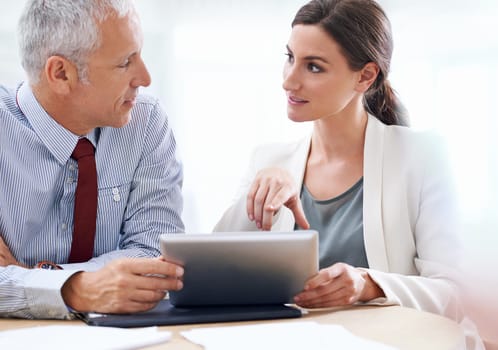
61, 74
368, 74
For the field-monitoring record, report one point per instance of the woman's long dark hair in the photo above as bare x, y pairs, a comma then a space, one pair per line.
363, 31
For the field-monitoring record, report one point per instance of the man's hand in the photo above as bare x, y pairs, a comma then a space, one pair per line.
272, 188
122, 286
338, 285
6, 257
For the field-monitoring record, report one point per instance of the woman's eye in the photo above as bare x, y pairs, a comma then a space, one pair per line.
313, 68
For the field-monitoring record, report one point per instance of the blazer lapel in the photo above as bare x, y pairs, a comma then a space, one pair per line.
373, 231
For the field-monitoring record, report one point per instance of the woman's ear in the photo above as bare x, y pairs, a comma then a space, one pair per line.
61, 74
368, 74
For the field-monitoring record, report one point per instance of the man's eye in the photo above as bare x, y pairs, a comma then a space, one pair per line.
125, 64
290, 58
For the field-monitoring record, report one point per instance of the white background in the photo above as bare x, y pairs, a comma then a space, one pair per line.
216, 67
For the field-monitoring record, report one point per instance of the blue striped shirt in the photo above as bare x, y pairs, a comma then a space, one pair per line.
139, 196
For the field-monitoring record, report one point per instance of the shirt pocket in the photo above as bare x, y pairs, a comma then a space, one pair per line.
112, 202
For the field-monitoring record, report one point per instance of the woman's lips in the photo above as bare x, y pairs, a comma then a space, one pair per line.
294, 100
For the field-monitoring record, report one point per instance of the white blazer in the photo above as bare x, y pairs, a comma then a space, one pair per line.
410, 218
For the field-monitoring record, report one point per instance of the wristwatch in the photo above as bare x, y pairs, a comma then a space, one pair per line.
47, 265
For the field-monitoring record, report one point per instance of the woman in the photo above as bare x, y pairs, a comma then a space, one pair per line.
377, 192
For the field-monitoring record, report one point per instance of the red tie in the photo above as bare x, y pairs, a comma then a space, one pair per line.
85, 203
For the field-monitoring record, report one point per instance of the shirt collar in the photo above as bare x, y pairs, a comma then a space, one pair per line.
58, 140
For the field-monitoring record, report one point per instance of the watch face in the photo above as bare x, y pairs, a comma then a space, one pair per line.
47, 265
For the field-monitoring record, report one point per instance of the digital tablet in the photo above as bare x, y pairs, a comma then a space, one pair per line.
241, 268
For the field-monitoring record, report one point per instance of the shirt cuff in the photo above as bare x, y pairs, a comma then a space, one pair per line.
43, 293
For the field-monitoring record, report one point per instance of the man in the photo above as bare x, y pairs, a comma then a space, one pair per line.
84, 67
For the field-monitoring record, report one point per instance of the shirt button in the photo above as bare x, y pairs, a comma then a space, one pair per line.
72, 167
115, 191
64, 227
70, 180
116, 197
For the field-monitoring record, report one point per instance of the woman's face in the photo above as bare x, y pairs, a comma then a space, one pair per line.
317, 78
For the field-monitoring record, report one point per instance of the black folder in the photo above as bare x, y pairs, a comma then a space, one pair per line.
166, 314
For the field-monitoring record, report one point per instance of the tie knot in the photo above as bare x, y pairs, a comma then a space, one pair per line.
83, 148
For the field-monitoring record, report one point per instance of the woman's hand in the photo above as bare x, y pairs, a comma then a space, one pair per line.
338, 285
272, 188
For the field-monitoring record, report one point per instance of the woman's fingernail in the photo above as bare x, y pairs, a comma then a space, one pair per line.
179, 271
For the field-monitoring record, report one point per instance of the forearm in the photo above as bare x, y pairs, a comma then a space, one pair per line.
32, 293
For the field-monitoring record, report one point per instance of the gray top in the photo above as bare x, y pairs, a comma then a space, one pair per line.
339, 222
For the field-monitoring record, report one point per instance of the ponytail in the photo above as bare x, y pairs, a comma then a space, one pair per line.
383, 103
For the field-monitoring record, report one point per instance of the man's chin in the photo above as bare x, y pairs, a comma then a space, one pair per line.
123, 120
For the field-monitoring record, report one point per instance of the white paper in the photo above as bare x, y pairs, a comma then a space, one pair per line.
289, 336
81, 338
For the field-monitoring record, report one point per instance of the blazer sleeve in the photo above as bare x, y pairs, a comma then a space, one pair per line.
431, 207
235, 217
290, 156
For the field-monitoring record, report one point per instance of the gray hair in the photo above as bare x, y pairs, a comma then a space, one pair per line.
67, 28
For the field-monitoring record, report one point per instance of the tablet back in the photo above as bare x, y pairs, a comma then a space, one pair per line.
242, 268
